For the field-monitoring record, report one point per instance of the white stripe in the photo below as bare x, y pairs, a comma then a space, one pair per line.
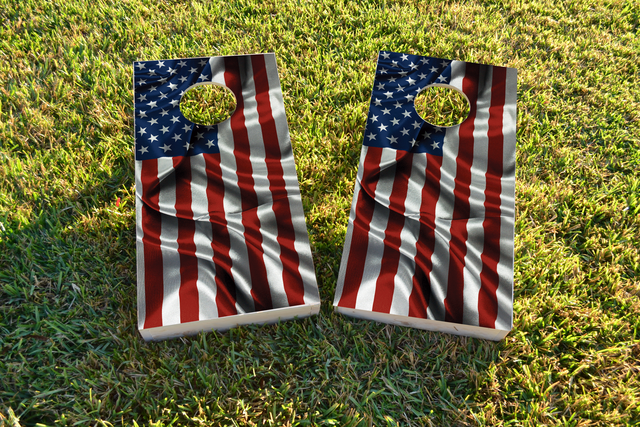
301, 245
378, 226
233, 204
507, 207
478, 184
403, 281
268, 227
202, 239
169, 242
352, 216
444, 210
142, 312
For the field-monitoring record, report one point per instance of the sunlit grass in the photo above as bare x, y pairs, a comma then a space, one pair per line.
70, 353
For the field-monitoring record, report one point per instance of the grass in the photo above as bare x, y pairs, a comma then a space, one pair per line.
70, 353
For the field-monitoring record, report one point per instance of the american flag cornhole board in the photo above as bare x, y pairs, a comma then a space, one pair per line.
221, 235
430, 236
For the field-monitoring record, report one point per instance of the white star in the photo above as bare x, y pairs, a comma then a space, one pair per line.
439, 129
380, 86
176, 137
140, 65
181, 93
203, 77
199, 136
413, 142
153, 138
186, 128
413, 66
386, 111
404, 57
422, 76
153, 121
395, 121
371, 136
416, 125
377, 102
173, 86
399, 88
141, 82
409, 97
160, 64
444, 63
406, 114
397, 104
382, 127
164, 129
433, 70
187, 146
426, 135
183, 79
392, 139
403, 73
182, 64
142, 131
164, 112
143, 150
424, 60
203, 61
142, 98
435, 145
404, 132
411, 81
374, 118
392, 79
152, 72
192, 70
172, 71
389, 94
385, 55
166, 148
163, 95
175, 102
383, 71
153, 104
142, 114
441, 78
154, 88
394, 63
210, 143
175, 119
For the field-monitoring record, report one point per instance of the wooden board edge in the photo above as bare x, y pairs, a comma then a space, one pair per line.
225, 323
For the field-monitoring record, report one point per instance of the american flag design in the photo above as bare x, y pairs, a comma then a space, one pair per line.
430, 236
221, 235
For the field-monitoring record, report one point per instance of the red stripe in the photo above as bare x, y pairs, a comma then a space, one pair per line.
395, 222
419, 298
361, 224
292, 280
250, 221
453, 303
151, 221
188, 294
220, 242
487, 301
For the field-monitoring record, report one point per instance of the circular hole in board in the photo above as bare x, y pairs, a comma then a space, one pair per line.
207, 104
442, 105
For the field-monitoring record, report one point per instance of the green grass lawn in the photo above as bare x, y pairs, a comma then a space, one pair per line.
70, 353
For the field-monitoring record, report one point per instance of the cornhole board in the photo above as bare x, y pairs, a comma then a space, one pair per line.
221, 235
430, 236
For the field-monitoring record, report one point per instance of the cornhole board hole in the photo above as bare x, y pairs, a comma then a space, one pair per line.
221, 235
430, 236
